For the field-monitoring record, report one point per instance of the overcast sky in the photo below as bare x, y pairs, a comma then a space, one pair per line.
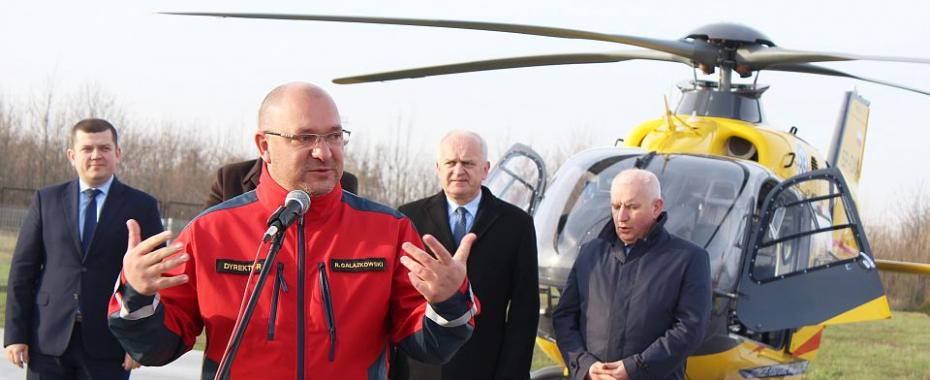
214, 72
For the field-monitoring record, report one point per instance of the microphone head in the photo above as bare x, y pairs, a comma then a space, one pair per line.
301, 197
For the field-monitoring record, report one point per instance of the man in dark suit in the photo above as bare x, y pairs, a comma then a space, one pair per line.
502, 265
67, 257
240, 177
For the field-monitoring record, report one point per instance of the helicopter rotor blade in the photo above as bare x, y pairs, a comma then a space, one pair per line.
513, 62
706, 49
808, 68
697, 51
761, 57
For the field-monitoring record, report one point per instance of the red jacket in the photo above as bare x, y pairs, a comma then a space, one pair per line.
374, 305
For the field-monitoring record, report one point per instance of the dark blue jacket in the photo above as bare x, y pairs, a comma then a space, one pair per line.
50, 277
649, 308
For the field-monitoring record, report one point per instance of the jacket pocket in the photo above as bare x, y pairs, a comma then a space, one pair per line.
42, 299
328, 311
279, 286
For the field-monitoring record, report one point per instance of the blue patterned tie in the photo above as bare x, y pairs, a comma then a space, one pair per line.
458, 229
90, 219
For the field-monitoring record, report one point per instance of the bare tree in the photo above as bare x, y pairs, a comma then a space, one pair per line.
905, 237
9, 139
170, 161
175, 162
42, 110
396, 171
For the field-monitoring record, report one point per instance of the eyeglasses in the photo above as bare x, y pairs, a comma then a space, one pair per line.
308, 140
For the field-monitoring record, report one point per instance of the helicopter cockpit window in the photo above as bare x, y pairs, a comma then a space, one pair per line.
809, 228
700, 196
516, 181
588, 208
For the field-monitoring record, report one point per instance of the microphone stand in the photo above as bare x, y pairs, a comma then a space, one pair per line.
226, 363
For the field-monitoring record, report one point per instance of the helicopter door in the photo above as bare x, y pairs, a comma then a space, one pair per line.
808, 259
519, 178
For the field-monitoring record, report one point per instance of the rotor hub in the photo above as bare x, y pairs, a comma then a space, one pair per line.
730, 34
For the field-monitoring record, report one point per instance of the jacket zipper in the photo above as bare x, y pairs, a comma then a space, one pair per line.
279, 286
328, 307
300, 297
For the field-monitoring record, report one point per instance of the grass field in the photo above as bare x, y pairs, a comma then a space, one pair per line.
895, 349
7, 243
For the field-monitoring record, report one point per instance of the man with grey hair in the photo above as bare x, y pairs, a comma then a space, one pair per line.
502, 264
638, 299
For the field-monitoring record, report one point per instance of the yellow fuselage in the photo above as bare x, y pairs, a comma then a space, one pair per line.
785, 155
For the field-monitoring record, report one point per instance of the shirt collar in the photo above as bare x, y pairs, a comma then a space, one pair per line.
104, 189
471, 206
656, 232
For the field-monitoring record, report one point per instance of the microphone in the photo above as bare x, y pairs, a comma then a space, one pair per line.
296, 205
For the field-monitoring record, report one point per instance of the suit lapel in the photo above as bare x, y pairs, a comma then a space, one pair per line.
111, 208
69, 205
439, 216
488, 212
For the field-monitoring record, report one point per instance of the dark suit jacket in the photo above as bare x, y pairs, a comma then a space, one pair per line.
502, 270
240, 177
50, 277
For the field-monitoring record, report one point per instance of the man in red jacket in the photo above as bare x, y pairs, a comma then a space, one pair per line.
343, 291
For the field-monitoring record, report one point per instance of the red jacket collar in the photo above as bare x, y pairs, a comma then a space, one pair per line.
271, 196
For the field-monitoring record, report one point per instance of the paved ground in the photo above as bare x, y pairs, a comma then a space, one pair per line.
186, 367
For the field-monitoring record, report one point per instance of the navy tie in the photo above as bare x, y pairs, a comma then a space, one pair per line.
90, 219
458, 229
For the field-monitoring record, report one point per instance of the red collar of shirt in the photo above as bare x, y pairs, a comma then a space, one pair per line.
271, 196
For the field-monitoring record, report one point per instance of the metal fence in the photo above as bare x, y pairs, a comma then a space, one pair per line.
14, 201
11, 218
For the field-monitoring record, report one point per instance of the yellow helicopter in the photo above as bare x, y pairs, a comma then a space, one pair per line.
789, 255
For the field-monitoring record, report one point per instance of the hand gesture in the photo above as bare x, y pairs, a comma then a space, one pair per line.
439, 278
129, 363
608, 371
143, 267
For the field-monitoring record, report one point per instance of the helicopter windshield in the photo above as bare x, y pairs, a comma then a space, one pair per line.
700, 196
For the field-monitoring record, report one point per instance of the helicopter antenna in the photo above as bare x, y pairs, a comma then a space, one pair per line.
685, 123
670, 118
668, 114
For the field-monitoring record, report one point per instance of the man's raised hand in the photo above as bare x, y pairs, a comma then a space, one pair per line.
144, 265
439, 278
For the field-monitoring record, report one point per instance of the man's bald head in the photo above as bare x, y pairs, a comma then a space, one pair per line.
290, 92
460, 136
643, 179
300, 109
